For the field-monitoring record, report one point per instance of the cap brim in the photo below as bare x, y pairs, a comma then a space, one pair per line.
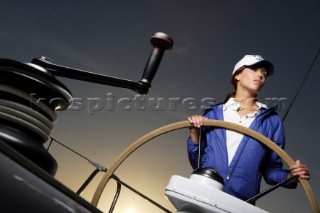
267, 65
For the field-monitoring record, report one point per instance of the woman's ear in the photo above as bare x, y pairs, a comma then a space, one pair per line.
237, 77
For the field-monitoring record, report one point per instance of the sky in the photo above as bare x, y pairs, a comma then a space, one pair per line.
210, 36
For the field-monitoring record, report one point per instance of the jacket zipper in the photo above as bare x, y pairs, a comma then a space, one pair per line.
229, 172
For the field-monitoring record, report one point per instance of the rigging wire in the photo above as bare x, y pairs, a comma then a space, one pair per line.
49, 144
263, 193
302, 83
77, 153
100, 168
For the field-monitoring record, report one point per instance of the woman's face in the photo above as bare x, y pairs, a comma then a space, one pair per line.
251, 79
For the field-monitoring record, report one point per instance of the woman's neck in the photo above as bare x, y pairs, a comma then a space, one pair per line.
247, 101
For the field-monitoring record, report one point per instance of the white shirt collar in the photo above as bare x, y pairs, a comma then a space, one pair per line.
234, 105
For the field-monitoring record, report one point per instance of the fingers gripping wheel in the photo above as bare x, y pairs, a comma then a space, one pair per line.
183, 124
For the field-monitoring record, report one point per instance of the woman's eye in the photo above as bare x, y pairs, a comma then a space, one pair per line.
263, 71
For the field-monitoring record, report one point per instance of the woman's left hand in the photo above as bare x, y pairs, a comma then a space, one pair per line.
300, 170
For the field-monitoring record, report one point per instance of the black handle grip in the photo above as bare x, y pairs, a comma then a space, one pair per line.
161, 42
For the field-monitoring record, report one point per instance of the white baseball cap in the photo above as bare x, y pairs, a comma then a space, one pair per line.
251, 60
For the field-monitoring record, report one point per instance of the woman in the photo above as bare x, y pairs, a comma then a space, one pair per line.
239, 159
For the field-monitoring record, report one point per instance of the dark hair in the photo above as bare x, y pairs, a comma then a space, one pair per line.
229, 95
234, 83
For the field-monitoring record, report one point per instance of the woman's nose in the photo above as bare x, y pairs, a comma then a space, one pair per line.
260, 73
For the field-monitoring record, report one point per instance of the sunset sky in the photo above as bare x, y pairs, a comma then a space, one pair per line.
113, 38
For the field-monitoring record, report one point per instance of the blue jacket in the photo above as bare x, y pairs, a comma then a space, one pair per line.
252, 160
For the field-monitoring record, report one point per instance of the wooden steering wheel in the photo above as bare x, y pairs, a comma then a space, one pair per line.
215, 123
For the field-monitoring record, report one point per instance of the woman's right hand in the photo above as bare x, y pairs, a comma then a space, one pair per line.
196, 120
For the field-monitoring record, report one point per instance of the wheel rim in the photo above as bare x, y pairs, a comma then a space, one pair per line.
215, 123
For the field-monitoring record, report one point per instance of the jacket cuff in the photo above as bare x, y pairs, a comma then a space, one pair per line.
190, 143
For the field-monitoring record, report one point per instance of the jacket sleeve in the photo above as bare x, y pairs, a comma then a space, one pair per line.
193, 151
273, 171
